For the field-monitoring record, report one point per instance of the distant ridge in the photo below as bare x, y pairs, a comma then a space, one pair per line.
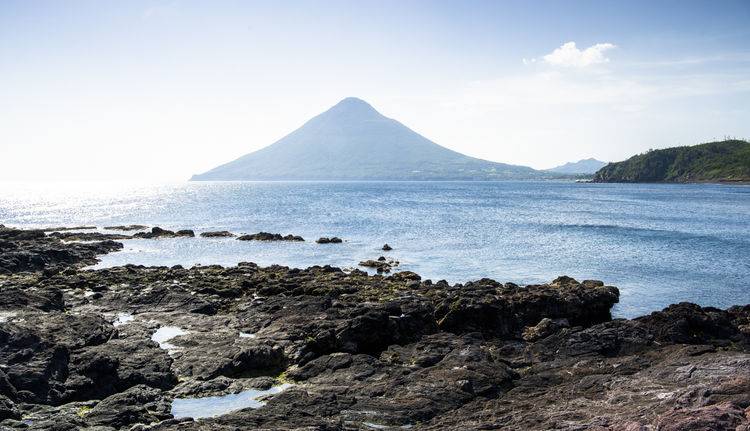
353, 141
585, 166
723, 161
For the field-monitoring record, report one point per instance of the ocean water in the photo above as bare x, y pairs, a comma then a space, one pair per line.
658, 243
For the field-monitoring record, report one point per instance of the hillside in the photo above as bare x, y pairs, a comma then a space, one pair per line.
353, 141
585, 166
710, 162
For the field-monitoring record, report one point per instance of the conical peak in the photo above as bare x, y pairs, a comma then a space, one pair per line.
352, 140
353, 106
352, 102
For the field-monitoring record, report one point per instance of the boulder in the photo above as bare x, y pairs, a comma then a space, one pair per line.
137, 405
382, 264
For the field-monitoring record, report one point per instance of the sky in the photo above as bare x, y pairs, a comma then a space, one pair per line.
160, 90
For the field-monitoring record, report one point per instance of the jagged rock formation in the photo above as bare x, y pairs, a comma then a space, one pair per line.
32, 250
359, 351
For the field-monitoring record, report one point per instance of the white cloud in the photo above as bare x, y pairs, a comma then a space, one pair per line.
569, 55
544, 117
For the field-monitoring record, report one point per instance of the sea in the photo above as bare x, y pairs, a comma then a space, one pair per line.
658, 243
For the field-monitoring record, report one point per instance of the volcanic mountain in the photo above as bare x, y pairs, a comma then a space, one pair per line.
353, 141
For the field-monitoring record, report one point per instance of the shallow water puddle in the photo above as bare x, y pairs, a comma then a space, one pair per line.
386, 427
123, 318
208, 407
166, 333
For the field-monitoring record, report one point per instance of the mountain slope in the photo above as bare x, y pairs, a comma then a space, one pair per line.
352, 141
711, 162
585, 166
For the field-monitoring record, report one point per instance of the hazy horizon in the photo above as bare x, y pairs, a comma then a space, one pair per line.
162, 90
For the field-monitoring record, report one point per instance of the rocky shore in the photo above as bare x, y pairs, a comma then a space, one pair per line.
147, 348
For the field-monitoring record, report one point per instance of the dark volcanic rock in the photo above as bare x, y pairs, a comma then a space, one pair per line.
217, 234
331, 240
157, 232
387, 247
724, 416
138, 405
110, 348
32, 250
88, 236
504, 310
8, 409
544, 328
265, 236
112, 367
64, 228
13, 298
382, 264
35, 368
127, 227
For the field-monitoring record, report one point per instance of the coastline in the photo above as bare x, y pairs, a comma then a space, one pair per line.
721, 181
357, 351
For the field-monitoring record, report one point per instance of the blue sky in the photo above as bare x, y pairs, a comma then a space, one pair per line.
100, 89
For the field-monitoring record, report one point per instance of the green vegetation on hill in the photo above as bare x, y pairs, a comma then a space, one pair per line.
710, 162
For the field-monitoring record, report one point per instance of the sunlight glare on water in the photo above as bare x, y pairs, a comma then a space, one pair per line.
658, 243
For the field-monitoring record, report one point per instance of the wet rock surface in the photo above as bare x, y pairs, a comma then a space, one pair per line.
127, 227
354, 351
66, 228
33, 250
88, 236
381, 264
265, 236
217, 234
157, 232
331, 240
